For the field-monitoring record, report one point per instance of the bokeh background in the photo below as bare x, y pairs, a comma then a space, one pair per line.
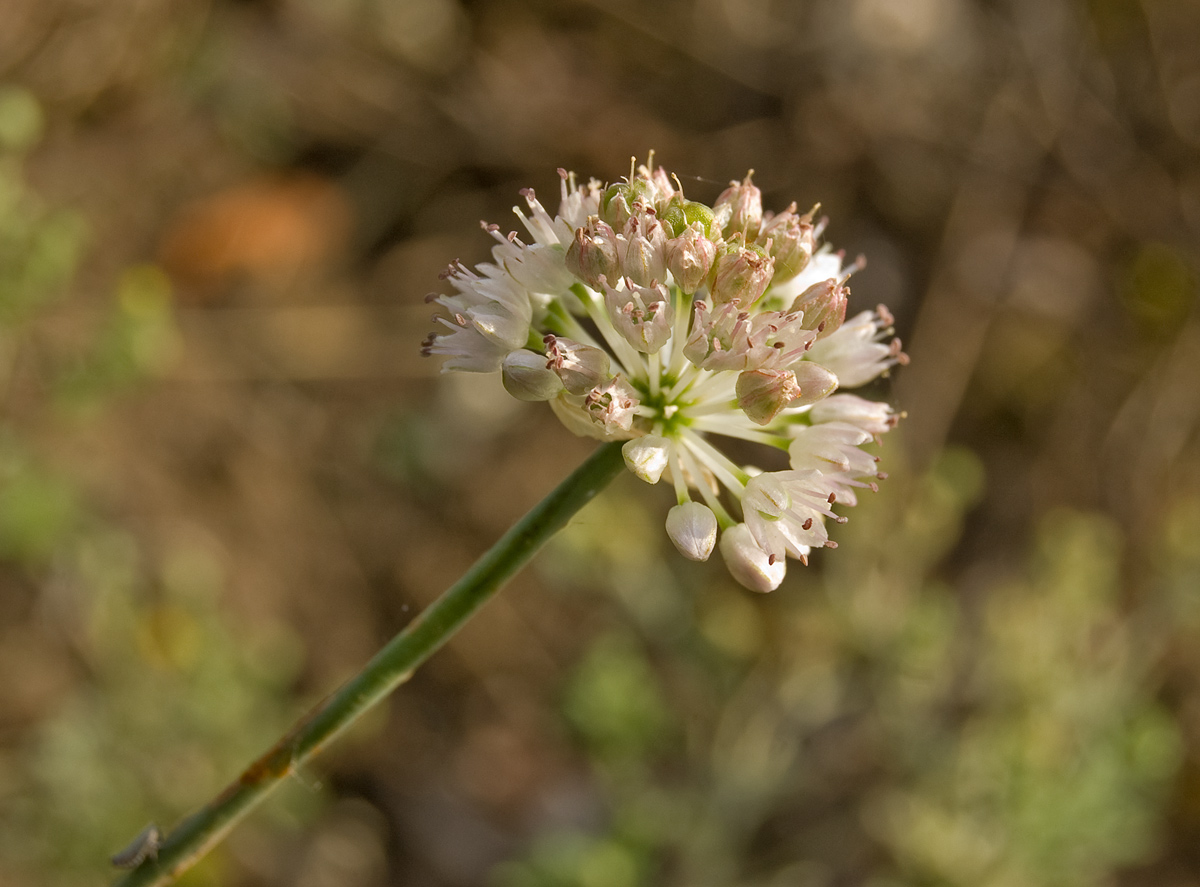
227, 476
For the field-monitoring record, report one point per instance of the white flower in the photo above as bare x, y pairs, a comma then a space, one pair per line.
856, 352
642, 316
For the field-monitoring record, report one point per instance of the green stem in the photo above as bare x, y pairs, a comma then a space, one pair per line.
391, 666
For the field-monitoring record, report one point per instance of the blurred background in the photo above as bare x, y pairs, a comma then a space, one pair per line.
226, 475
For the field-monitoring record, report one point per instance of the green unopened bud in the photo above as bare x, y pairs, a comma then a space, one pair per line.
673, 218
647, 456
697, 213
762, 394
679, 214
526, 376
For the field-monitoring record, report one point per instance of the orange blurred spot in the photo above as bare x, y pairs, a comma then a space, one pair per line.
269, 228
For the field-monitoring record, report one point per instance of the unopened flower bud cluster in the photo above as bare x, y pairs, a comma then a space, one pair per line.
643, 316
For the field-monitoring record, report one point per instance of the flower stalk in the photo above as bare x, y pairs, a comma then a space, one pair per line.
393, 665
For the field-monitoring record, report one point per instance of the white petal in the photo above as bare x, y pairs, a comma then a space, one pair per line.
748, 563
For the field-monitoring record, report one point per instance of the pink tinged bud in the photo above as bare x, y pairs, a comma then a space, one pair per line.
741, 275
693, 528
612, 405
580, 367
642, 315
593, 253
824, 306
792, 241
690, 257
816, 383
739, 208
647, 456
748, 563
641, 249
762, 394
526, 376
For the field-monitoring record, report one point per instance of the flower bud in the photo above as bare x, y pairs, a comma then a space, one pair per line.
742, 274
690, 257
673, 218
815, 381
748, 563
739, 208
647, 456
526, 376
614, 206
593, 253
640, 250
693, 528
792, 242
762, 394
697, 213
824, 306
580, 367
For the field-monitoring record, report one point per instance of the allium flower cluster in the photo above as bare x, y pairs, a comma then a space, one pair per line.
640, 315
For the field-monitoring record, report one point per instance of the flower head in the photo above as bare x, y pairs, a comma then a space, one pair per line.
643, 316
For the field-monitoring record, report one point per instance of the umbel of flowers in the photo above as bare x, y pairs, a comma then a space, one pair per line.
640, 315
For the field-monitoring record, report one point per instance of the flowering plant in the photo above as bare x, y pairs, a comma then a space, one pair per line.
651, 322
642, 316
